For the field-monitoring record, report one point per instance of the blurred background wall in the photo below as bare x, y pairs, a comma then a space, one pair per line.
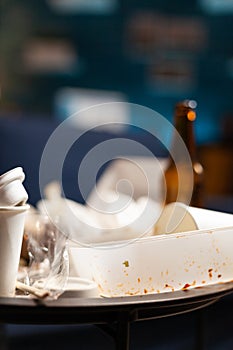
61, 55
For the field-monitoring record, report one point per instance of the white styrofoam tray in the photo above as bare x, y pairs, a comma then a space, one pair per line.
156, 264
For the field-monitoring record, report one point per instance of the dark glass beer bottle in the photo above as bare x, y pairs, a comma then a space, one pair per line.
184, 118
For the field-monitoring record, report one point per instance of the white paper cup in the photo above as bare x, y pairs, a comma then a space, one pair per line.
11, 236
12, 191
177, 217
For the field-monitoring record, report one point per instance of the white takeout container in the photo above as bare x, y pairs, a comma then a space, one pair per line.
11, 235
156, 264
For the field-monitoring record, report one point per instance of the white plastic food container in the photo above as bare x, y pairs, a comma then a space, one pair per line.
156, 264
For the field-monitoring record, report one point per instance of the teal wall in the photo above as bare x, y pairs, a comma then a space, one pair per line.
109, 59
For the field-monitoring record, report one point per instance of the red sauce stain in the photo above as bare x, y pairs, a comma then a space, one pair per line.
210, 273
186, 286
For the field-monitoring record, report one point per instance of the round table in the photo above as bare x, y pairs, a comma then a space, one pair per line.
113, 315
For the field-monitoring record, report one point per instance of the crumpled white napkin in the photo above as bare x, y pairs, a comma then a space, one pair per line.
120, 217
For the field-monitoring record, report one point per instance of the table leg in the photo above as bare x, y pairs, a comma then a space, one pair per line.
3, 338
123, 332
200, 336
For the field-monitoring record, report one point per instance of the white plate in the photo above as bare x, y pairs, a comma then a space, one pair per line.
77, 287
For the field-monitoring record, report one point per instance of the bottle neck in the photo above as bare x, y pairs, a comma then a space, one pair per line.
183, 123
